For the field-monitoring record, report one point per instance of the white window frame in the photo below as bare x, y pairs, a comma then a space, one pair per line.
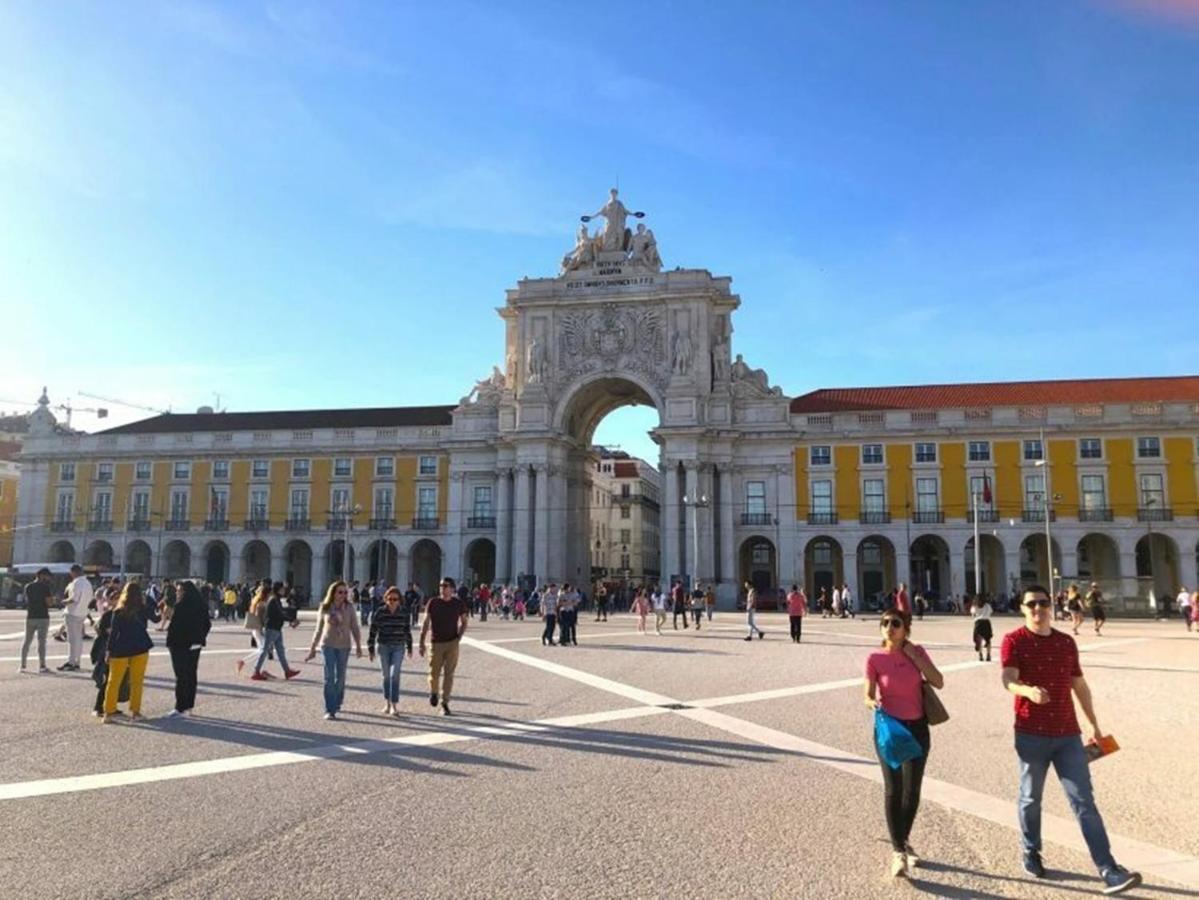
751, 497
174, 506
265, 463
301, 467
825, 457
385, 466
341, 500
426, 509
260, 513
916, 453
1083, 493
349, 467
978, 451
181, 465
1084, 456
1143, 443
867, 506
217, 476
221, 496
882, 455
65, 497
66, 473
1160, 491
483, 510
139, 505
149, 470
386, 508
936, 494
1028, 446
305, 507
821, 503
422, 469
1034, 500
105, 472
101, 497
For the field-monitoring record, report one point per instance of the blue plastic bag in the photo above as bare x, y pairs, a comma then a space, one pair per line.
895, 742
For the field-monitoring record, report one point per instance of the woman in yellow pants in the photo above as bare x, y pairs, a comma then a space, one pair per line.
129, 646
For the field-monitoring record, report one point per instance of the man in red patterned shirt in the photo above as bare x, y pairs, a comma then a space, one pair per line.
1040, 666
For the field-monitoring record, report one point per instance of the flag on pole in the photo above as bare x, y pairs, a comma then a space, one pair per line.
987, 490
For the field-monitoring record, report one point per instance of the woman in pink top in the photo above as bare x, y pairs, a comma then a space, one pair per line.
641, 609
797, 608
894, 683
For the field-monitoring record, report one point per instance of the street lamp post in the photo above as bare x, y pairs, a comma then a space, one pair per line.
1047, 495
349, 512
1148, 503
694, 503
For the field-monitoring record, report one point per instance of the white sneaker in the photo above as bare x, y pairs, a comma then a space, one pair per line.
173, 714
899, 864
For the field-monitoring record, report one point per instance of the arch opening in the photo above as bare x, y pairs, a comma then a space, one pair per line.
426, 565
138, 558
297, 558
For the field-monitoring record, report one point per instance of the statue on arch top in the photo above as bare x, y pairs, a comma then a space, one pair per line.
614, 235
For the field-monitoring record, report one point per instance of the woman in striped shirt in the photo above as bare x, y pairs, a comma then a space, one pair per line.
391, 629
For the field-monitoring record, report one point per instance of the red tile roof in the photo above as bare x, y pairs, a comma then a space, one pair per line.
10, 449
1182, 388
374, 417
625, 469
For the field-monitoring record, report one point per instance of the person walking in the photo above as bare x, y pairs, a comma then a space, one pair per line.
1098, 609
548, 609
601, 603
980, 612
640, 609
697, 605
518, 606
847, 602
1042, 669
895, 677
229, 604
797, 608
391, 631
336, 628
568, 616
837, 602
78, 599
1184, 606
751, 603
1074, 607
902, 603
822, 602
273, 618
100, 664
658, 600
128, 650
187, 634
253, 624
678, 604
446, 618
710, 601
37, 618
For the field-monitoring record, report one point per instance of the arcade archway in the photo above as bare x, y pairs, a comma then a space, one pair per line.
176, 560
824, 566
98, 553
255, 562
138, 558
62, 552
876, 570
216, 562
480, 562
426, 565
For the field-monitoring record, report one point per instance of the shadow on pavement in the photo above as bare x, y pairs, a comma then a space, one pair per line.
1056, 879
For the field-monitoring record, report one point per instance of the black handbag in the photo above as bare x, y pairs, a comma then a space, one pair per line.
935, 712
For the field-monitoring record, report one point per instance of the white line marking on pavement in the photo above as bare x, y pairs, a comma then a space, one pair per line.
583, 637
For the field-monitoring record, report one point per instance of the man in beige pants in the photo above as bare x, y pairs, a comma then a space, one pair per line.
446, 617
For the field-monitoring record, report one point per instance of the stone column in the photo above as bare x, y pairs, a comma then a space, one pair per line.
452, 562
1011, 565
688, 564
541, 533
849, 568
521, 523
670, 521
706, 564
503, 526
555, 535
903, 568
784, 487
403, 569
957, 570
728, 560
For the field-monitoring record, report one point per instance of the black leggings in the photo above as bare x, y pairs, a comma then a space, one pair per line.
796, 627
902, 787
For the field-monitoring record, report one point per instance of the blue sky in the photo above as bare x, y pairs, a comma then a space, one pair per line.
309, 204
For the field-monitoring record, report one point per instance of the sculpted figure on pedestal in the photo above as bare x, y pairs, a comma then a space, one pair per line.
753, 380
535, 362
680, 353
645, 249
583, 253
720, 361
614, 235
488, 390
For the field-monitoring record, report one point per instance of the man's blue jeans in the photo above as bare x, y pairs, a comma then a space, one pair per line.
1069, 760
272, 638
335, 677
390, 658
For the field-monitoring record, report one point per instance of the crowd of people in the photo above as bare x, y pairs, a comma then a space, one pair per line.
1040, 665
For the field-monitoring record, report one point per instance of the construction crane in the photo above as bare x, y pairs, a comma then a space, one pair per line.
99, 411
161, 412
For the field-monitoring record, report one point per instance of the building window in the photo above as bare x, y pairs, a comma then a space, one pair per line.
260, 468
873, 499
179, 506
1149, 448
343, 467
1034, 492
1153, 495
978, 491
299, 503
64, 508
66, 471
143, 470
1033, 450
755, 498
822, 497
340, 499
626, 535
300, 468
926, 453
182, 471
625, 512
220, 469
427, 465
1094, 493
926, 495
482, 502
384, 501
1090, 448
140, 507
625, 491
426, 502
872, 454
820, 455
625, 561
258, 505
104, 471
218, 504
979, 451
102, 506
385, 466
822, 554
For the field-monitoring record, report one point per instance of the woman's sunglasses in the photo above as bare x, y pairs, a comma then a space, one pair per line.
891, 623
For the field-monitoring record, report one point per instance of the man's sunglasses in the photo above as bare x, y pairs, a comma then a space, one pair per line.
891, 623
1043, 604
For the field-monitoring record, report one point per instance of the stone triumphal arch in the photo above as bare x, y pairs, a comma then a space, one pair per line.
613, 329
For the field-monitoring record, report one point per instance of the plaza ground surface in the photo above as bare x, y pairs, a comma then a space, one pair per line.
569, 772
